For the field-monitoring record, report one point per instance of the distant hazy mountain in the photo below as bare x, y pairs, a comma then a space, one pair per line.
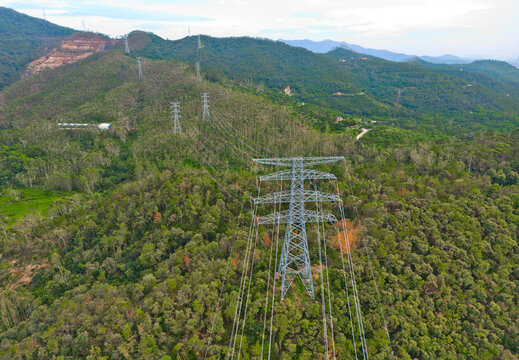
514, 62
445, 59
327, 45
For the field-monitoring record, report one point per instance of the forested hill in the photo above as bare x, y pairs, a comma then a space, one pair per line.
139, 251
446, 99
476, 96
23, 39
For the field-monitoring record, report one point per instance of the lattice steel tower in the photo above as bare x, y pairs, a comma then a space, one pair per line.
295, 259
176, 117
140, 68
126, 45
197, 68
206, 115
198, 56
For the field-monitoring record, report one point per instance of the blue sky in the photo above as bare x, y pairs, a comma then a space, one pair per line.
487, 28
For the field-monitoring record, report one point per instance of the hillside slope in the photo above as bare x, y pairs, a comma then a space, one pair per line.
469, 96
354, 84
23, 39
144, 260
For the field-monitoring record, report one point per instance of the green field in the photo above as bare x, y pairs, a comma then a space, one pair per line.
16, 204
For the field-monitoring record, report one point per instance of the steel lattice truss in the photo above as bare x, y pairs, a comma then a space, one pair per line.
283, 218
305, 196
174, 107
197, 69
126, 45
308, 174
295, 258
140, 68
205, 115
306, 161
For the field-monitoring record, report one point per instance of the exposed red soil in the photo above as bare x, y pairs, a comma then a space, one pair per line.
73, 48
346, 240
24, 274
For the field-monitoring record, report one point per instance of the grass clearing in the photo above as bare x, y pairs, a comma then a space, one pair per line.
17, 203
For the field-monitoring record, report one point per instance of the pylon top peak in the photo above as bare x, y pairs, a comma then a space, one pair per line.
307, 161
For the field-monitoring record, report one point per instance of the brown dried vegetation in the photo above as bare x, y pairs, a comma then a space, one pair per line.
346, 239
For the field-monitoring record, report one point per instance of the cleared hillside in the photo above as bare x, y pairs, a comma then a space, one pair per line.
23, 39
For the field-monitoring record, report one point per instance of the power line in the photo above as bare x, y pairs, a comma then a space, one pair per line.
330, 312
274, 285
234, 140
241, 292
323, 303
248, 290
234, 133
372, 273
356, 301
348, 297
268, 288
222, 287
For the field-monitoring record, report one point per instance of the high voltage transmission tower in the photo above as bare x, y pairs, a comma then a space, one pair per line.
126, 45
140, 68
197, 67
198, 56
295, 258
176, 117
206, 115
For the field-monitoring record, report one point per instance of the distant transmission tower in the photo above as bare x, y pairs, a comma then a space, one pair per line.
198, 56
126, 45
206, 115
140, 68
176, 117
295, 259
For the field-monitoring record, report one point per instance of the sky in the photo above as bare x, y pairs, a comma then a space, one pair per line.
468, 28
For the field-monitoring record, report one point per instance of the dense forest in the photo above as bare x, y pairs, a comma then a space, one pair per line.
130, 243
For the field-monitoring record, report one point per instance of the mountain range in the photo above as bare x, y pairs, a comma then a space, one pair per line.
325, 46
354, 84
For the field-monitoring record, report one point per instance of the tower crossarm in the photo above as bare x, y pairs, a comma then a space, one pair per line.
307, 174
283, 217
306, 161
287, 196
